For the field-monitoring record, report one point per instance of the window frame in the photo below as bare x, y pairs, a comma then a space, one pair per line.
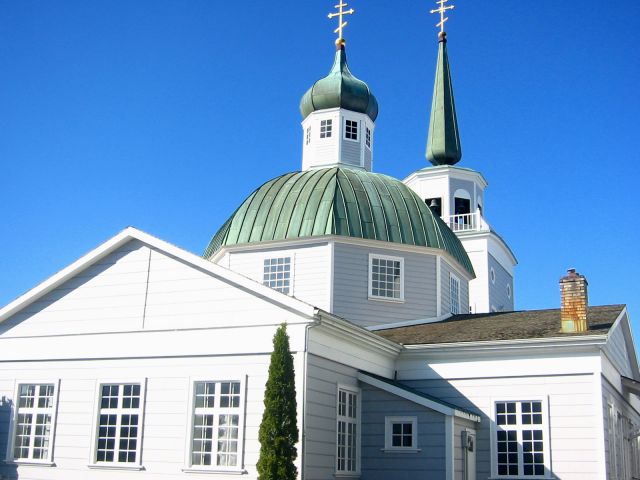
454, 278
357, 130
389, 421
544, 400
370, 279
307, 137
10, 454
292, 261
368, 137
116, 465
328, 128
242, 411
349, 389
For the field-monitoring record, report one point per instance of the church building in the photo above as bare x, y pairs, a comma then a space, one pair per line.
144, 361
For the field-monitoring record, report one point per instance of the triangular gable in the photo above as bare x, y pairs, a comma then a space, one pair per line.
415, 396
620, 337
131, 234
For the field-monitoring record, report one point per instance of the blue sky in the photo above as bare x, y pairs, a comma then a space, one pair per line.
165, 115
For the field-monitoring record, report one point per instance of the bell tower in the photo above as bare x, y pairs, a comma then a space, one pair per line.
456, 194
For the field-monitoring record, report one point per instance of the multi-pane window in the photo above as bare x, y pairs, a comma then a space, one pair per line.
34, 419
385, 277
520, 438
454, 295
347, 431
401, 433
215, 436
351, 129
308, 136
325, 128
277, 274
119, 423
368, 137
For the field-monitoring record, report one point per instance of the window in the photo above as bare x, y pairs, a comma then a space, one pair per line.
119, 431
368, 137
277, 274
216, 432
508, 290
34, 422
325, 128
347, 431
454, 291
492, 275
401, 433
351, 129
386, 277
308, 136
520, 438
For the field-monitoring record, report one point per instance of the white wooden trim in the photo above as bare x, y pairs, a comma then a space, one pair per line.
358, 392
449, 445
388, 433
418, 399
370, 284
137, 465
188, 466
12, 422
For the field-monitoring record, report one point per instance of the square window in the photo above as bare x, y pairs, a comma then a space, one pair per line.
385, 277
326, 127
277, 274
401, 433
351, 129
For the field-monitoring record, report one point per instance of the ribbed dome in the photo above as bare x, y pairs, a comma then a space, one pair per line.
337, 201
340, 89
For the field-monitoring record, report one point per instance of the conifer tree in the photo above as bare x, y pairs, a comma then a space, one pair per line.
279, 428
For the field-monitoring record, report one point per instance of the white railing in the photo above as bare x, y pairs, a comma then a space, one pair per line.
467, 222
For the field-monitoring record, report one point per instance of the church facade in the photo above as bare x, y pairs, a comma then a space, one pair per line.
144, 361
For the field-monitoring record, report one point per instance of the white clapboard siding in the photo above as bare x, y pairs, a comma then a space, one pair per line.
166, 416
311, 272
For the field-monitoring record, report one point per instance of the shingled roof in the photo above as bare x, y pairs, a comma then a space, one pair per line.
500, 326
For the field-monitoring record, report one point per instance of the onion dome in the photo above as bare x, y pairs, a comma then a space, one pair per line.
337, 201
339, 89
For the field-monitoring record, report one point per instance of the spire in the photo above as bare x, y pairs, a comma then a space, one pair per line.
443, 143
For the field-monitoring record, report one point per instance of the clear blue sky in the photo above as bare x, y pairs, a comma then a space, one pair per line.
165, 115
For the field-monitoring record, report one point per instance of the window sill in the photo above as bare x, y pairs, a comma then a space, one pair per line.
346, 475
401, 450
29, 463
213, 471
115, 466
386, 299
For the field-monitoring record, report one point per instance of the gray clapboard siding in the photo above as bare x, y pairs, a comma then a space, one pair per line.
323, 377
498, 297
445, 284
311, 269
571, 421
351, 151
351, 287
380, 465
617, 351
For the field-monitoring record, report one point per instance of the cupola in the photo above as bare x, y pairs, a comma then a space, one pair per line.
338, 114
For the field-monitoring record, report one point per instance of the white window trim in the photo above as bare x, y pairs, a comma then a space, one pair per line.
329, 122
14, 417
137, 465
545, 429
344, 130
188, 466
388, 424
370, 287
370, 144
358, 393
459, 299
292, 256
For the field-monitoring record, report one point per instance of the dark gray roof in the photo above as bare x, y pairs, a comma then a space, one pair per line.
500, 326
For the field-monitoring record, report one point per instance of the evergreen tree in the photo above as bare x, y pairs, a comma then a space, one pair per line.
279, 428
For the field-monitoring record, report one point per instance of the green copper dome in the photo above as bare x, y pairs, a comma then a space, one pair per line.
337, 201
339, 89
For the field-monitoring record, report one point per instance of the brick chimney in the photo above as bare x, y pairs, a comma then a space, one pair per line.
573, 302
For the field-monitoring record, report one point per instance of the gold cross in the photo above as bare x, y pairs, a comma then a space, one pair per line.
341, 24
442, 10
